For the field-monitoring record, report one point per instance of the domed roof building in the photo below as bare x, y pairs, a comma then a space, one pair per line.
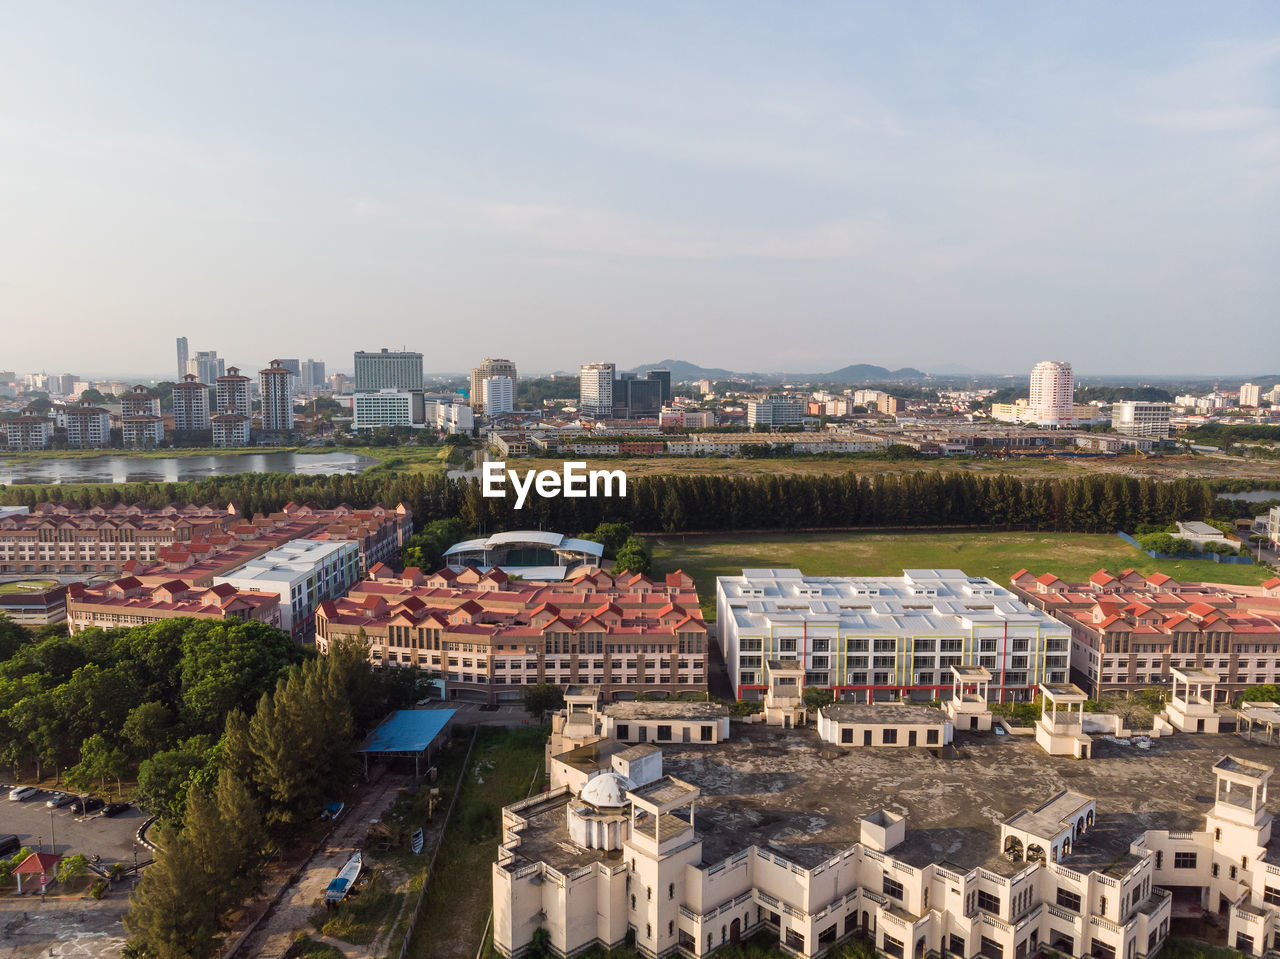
600, 818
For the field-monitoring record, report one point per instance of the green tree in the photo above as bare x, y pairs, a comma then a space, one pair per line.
71, 867
173, 914
542, 698
99, 761
635, 556
815, 697
148, 727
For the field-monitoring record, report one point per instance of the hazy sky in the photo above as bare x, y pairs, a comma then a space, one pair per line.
791, 186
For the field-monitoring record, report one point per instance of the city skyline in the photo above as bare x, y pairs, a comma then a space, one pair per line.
926, 187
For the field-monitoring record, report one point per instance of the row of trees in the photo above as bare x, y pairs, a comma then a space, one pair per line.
270, 773
665, 503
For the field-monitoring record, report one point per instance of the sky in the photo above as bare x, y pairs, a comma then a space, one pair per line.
755, 186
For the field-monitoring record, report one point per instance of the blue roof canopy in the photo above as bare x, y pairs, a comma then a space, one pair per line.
407, 731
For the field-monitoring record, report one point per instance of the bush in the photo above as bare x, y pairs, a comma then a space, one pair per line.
98, 889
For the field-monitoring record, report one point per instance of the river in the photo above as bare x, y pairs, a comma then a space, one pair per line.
122, 468
1254, 495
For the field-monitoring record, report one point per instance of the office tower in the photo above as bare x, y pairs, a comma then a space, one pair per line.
595, 389
232, 393
190, 404
386, 370
487, 368
312, 375
498, 396
182, 357
1053, 388
206, 366
663, 377
636, 398
276, 386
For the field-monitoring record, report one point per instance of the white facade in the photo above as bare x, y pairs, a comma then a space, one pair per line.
190, 404
488, 367
386, 408
774, 412
304, 573
87, 426
1273, 526
879, 638
1141, 419
387, 370
595, 389
230, 429
1250, 394
28, 433
1052, 400
499, 395
231, 393
275, 385
206, 366
448, 416
140, 420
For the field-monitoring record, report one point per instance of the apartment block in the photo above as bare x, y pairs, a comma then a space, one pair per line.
491, 367
1141, 419
304, 573
1130, 631
499, 395
275, 385
874, 639
231, 393
86, 426
230, 429
1052, 400
140, 422
27, 432
595, 389
191, 405
129, 602
487, 635
775, 412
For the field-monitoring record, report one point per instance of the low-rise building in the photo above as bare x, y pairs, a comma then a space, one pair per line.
230, 429
304, 573
692, 847
487, 635
1200, 535
130, 602
775, 411
1129, 632
35, 607
873, 639
1273, 526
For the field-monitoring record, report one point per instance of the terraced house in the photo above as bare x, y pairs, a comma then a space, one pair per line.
1129, 630
870, 639
487, 635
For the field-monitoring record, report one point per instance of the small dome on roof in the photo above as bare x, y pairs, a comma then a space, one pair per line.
607, 791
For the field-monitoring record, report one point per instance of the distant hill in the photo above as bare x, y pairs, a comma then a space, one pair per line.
866, 373
682, 371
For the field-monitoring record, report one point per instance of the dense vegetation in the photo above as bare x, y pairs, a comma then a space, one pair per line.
664, 503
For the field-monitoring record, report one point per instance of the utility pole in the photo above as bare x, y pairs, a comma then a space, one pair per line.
53, 842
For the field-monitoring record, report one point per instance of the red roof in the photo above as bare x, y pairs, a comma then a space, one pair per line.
1272, 583
37, 863
1046, 579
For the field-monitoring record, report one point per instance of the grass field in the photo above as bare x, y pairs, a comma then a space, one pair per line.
456, 906
28, 586
1072, 556
403, 459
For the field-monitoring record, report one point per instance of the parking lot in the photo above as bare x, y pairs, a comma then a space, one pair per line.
111, 838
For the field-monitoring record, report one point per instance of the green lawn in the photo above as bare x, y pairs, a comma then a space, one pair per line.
1072, 556
28, 586
456, 906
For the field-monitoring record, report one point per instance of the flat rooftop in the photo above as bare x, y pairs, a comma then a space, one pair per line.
887, 714
787, 791
665, 709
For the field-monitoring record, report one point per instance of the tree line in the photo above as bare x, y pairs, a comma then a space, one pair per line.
667, 503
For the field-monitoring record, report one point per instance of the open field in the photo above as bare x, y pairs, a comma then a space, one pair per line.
1156, 467
1072, 556
401, 459
28, 586
456, 906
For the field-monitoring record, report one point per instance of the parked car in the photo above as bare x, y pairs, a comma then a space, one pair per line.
22, 793
86, 804
113, 808
9, 845
58, 800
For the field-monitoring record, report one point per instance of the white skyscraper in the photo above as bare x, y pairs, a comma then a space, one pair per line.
595, 389
1250, 394
1053, 389
499, 395
276, 386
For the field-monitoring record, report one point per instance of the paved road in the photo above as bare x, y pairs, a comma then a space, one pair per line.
112, 839
292, 914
